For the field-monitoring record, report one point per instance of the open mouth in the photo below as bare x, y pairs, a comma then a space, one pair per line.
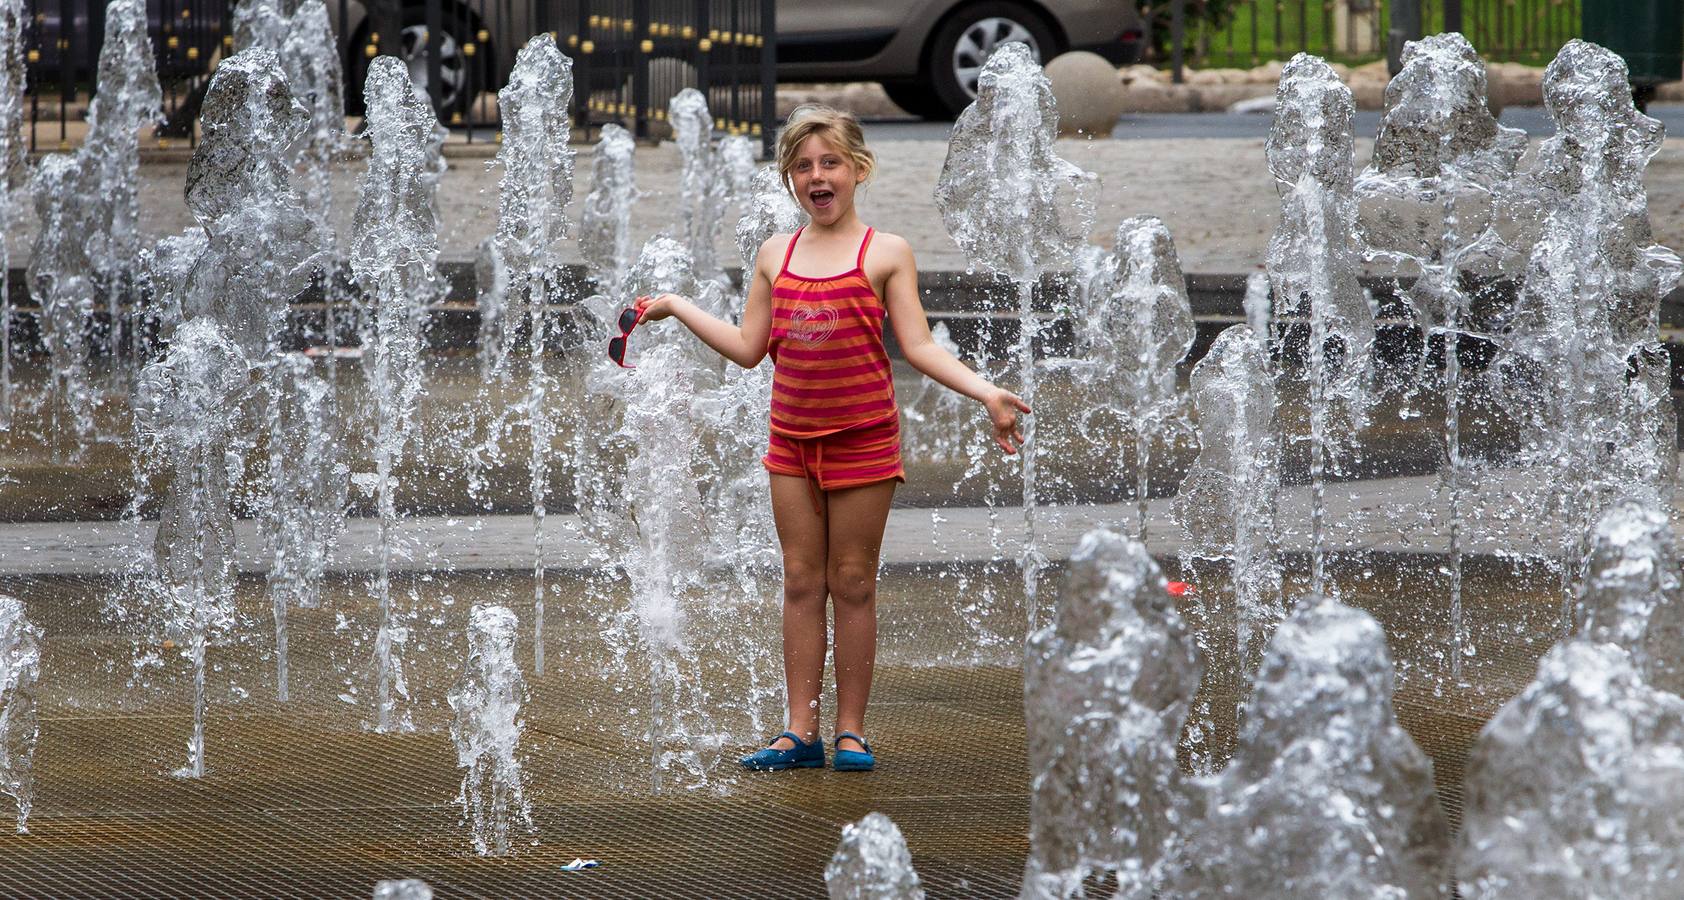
821, 199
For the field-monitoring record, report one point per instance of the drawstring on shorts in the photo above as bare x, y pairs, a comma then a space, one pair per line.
812, 476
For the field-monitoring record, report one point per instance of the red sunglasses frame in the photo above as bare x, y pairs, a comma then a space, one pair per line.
619, 359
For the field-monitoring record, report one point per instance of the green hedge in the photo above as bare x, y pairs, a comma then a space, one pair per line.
1245, 33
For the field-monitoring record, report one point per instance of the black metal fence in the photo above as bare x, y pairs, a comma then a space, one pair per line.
634, 62
630, 57
1246, 33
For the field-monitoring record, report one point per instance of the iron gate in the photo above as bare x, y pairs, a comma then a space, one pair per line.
630, 57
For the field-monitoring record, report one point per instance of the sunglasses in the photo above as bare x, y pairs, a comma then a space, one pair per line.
617, 346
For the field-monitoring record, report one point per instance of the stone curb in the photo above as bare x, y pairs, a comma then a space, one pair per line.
1145, 89
913, 537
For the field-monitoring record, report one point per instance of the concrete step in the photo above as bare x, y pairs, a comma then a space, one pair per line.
980, 311
1394, 515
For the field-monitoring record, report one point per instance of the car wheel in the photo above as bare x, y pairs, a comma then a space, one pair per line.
919, 100
966, 40
459, 79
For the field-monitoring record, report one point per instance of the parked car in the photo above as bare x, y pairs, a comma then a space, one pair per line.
928, 53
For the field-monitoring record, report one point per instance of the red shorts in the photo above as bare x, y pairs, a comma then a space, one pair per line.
861, 455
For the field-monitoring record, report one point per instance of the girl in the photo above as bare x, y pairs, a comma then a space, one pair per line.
834, 457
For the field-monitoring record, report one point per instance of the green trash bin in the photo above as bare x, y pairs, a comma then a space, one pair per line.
1648, 33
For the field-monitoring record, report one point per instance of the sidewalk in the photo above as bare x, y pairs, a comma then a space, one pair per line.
1390, 515
1216, 195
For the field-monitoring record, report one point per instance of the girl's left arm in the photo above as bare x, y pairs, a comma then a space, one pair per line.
912, 332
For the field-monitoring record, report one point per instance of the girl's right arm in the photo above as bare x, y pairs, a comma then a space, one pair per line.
743, 344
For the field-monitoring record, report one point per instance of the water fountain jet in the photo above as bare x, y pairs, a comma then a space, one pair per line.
665, 549
299, 34
20, 728
702, 185
872, 863
262, 246
1149, 321
1228, 507
1425, 204
88, 207
164, 269
669, 541
1587, 318
1017, 209
1633, 595
496, 331
13, 160
186, 415
605, 223
533, 193
394, 256
60, 277
1576, 787
1324, 768
307, 493
487, 729
128, 99
1107, 685
767, 209
1312, 262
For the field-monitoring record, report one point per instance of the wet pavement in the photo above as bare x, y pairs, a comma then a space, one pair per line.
334, 806
300, 799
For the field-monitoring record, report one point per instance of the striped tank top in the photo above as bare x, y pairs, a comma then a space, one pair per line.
830, 370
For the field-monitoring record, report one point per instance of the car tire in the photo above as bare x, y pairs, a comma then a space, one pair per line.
919, 100
964, 40
463, 75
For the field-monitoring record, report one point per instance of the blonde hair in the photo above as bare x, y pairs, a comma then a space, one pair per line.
841, 130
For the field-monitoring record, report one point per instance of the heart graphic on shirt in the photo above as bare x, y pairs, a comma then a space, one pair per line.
812, 324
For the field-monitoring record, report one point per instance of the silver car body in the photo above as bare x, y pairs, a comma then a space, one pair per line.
819, 40
875, 40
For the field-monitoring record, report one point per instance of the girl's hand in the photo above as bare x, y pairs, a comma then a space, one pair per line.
654, 309
1003, 407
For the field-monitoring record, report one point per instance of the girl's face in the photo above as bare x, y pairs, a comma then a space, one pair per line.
824, 180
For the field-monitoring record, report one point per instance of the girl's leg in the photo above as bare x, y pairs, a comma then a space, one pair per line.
857, 519
801, 534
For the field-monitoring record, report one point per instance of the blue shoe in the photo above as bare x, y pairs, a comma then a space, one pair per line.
853, 760
801, 756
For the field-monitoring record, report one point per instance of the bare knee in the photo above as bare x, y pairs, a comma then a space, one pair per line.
852, 583
804, 583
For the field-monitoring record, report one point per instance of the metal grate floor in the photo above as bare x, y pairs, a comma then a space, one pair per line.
315, 806
300, 799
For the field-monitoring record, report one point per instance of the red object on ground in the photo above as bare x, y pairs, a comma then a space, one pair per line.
1180, 589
